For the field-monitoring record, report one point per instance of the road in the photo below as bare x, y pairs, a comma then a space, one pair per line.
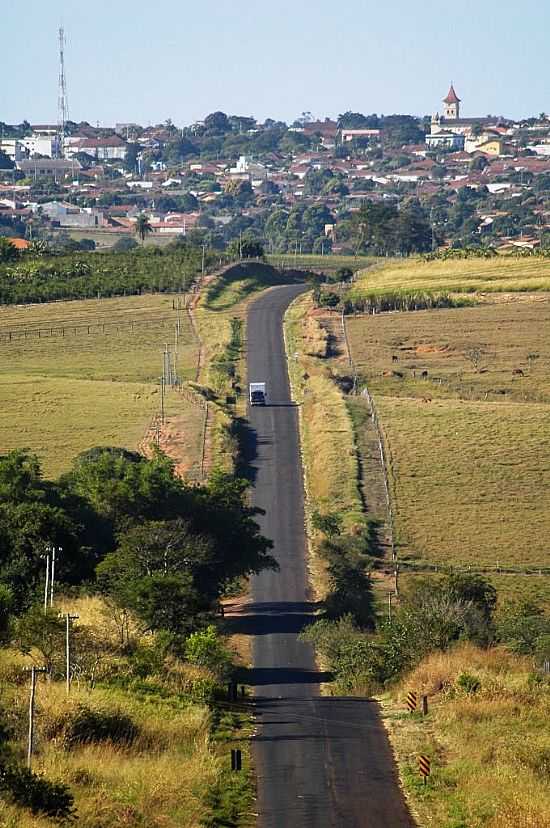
321, 761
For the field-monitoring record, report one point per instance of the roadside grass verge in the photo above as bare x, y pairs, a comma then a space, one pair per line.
327, 440
502, 273
489, 747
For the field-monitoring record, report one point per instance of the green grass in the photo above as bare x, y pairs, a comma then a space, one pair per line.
327, 264
501, 274
64, 394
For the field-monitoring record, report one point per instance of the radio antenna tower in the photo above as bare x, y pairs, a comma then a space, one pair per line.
62, 101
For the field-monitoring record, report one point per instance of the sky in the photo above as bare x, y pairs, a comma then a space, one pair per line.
144, 62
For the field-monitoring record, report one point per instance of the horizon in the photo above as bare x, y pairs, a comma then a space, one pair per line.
273, 63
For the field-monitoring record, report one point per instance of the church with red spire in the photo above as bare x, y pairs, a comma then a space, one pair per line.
452, 131
452, 105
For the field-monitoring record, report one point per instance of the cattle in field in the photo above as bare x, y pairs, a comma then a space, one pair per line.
517, 372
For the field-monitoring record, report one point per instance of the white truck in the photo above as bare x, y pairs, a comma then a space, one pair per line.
257, 393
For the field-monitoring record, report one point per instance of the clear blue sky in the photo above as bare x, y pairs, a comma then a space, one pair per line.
130, 60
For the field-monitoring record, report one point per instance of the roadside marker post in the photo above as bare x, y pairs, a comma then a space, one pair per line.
424, 766
424, 705
236, 759
412, 701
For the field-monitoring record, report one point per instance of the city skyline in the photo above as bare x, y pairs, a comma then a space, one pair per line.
129, 66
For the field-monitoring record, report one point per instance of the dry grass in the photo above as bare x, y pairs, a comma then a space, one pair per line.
469, 444
64, 394
502, 273
469, 353
470, 480
489, 750
327, 441
161, 779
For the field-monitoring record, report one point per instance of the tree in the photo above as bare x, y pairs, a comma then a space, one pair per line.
8, 251
246, 248
217, 122
5, 161
143, 227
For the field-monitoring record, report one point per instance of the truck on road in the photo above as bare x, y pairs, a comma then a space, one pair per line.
257, 393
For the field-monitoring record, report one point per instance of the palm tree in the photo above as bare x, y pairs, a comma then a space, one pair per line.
143, 227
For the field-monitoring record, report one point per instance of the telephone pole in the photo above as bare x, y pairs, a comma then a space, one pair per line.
33, 671
68, 619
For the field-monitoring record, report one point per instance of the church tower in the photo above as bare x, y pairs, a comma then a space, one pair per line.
452, 105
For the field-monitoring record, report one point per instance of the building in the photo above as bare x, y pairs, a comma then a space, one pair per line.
14, 149
352, 134
67, 215
452, 131
445, 139
43, 141
56, 168
452, 105
112, 148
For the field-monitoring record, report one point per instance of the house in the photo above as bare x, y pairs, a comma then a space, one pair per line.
112, 148
14, 149
67, 215
445, 139
348, 135
56, 168
43, 141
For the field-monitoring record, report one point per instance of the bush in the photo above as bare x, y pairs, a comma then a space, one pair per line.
206, 649
469, 683
26, 789
84, 725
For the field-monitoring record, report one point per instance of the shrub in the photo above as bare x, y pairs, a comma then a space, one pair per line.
468, 683
206, 649
84, 725
40, 795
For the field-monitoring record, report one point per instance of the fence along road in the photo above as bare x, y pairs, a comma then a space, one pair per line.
320, 761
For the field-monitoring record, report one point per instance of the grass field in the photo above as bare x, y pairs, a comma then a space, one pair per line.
63, 394
327, 264
489, 750
468, 444
501, 274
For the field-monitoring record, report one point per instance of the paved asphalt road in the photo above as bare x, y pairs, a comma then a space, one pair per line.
321, 761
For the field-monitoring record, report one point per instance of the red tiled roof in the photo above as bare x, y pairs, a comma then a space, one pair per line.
452, 97
20, 244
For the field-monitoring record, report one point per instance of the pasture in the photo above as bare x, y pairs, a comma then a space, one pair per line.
464, 399
83, 373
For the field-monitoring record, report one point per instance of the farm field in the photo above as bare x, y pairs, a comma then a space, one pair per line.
500, 274
96, 384
316, 262
468, 444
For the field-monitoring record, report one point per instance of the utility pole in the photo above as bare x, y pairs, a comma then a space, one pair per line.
68, 619
204, 257
33, 671
47, 585
52, 572
390, 596
162, 390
